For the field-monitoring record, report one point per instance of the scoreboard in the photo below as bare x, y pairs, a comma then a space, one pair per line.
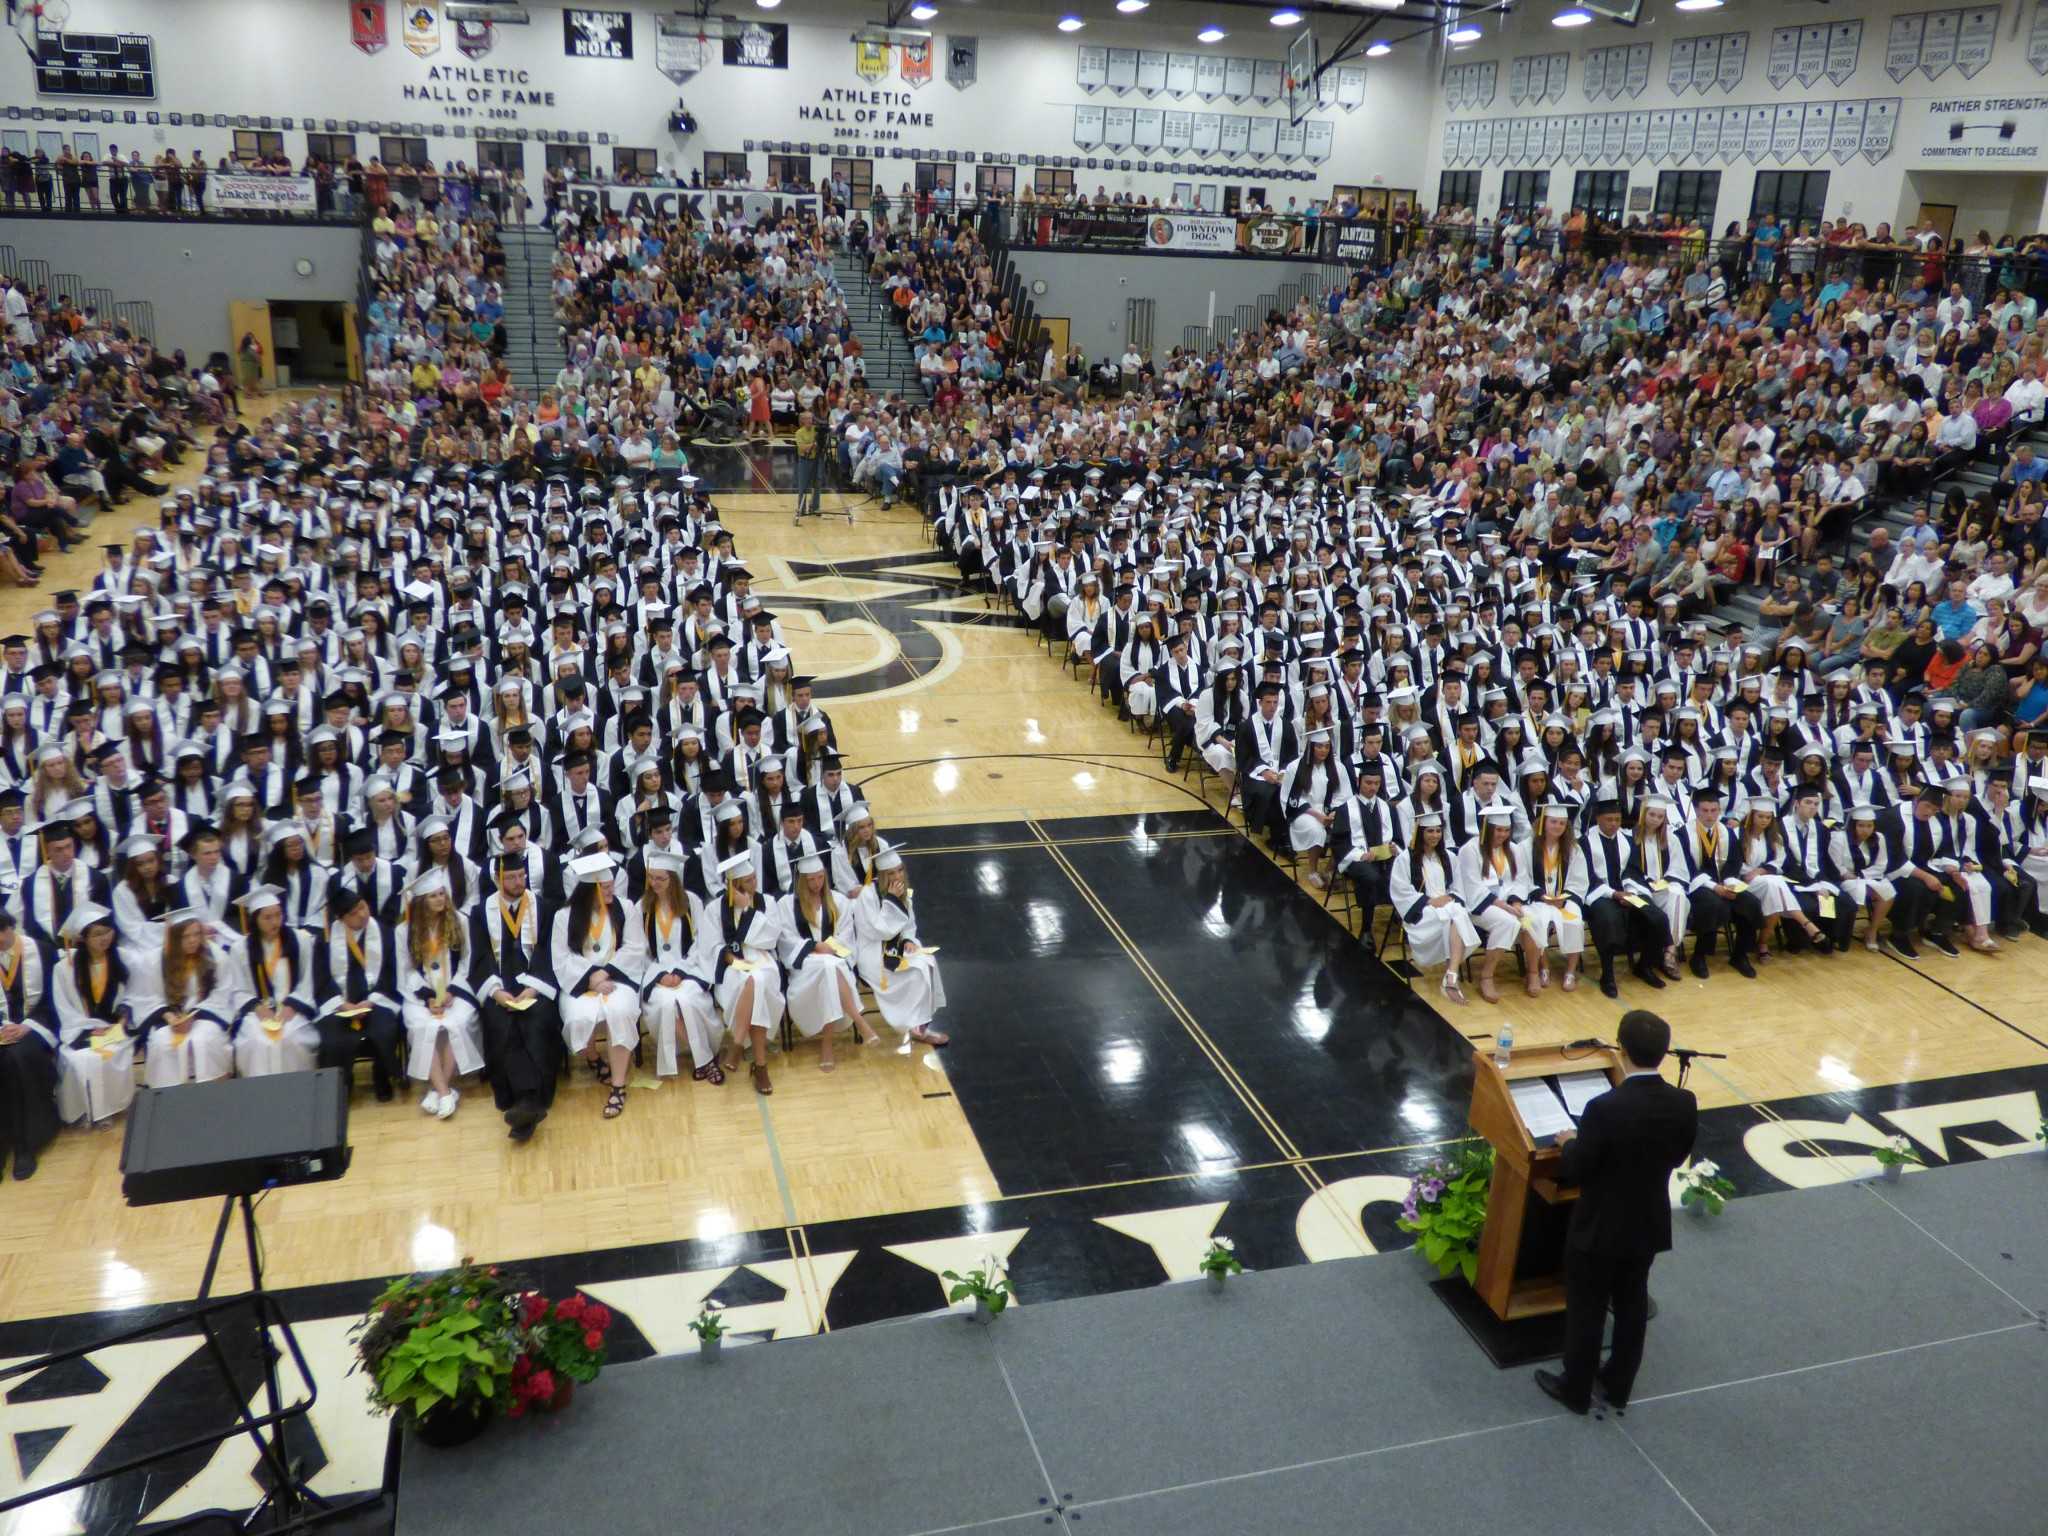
96, 64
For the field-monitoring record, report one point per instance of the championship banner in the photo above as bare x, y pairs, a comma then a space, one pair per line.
597, 34
366, 25
759, 45
871, 59
914, 64
1270, 236
1190, 232
423, 27
603, 197
963, 61
474, 38
261, 194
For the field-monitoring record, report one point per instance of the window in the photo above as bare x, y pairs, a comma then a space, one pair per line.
1523, 192
1458, 189
996, 181
1793, 197
936, 177
402, 151
633, 162
721, 168
1047, 182
859, 176
1604, 194
1689, 195
574, 157
505, 154
786, 170
254, 144
334, 148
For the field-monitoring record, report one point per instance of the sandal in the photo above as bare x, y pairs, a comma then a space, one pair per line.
615, 1104
710, 1073
599, 1069
1453, 991
828, 1066
928, 1036
761, 1083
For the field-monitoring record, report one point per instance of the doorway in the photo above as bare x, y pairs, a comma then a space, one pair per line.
1943, 218
310, 342
1055, 328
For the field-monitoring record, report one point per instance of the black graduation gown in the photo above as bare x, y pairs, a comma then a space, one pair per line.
28, 1068
523, 1048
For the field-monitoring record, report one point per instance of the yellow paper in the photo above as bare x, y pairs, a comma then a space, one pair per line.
1380, 852
1630, 898
1827, 905
1660, 885
2012, 877
273, 1027
1948, 893
520, 1004
746, 966
836, 947
1738, 886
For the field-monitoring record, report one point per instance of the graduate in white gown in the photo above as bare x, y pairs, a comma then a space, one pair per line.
736, 948
1495, 887
184, 1000
820, 931
443, 1039
271, 979
676, 1004
1423, 886
1556, 910
91, 997
598, 958
1657, 861
903, 972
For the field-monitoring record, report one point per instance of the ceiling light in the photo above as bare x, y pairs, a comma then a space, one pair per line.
1285, 18
767, 5
1132, 7
1211, 34
1464, 34
1379, 50
1699, 5
1578, 18
923, 12
1071, 23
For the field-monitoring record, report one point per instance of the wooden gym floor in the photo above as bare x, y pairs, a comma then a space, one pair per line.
983, 755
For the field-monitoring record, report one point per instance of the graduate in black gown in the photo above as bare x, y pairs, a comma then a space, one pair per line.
509, 974
28, 1051
355, 971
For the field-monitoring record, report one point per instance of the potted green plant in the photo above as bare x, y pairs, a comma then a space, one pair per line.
1894, 1157
1446, 1208
988, 1285
1703, 1189
709, 1326
439, 1350
1220, 1262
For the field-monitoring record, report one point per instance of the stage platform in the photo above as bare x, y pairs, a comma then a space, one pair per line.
1844, 1360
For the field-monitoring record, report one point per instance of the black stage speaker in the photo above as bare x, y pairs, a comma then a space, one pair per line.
238, 1136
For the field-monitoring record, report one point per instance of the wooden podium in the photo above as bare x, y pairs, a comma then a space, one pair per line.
1520, 1276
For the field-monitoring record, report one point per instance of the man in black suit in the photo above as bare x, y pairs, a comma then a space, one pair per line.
1628, 1141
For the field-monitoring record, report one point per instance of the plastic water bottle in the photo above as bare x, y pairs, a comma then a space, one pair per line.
1503, 1046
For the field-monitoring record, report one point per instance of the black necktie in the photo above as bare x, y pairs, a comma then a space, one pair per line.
60, 886
1613, 862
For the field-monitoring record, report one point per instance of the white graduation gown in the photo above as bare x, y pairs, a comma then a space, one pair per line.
816, 993
295, 1045
1427, 928
911, 995
91, 1085
686, 1009
206, 1052
423, 1027
620, 952
757, 942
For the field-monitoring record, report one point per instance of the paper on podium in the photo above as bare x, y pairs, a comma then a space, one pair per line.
1540, 1108
1580, 1089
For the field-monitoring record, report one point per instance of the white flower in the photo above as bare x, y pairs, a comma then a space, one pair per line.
1222, 1244
1901, 1145
711, 1307
1704, 1169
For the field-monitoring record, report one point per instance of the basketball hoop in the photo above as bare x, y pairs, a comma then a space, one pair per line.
50, 15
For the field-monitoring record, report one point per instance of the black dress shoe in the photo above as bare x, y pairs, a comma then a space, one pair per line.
1647, 975
1942, 942
1699, 964
1606, 1400
1741, 966
1607, 986
1554, 1388
385, 1093
1902, 946
24, 1165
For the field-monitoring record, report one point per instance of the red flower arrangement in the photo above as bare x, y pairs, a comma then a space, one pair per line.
561, 1343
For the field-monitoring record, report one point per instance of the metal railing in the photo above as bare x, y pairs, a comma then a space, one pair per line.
68, 285
33, 271
139, 316
100, 300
